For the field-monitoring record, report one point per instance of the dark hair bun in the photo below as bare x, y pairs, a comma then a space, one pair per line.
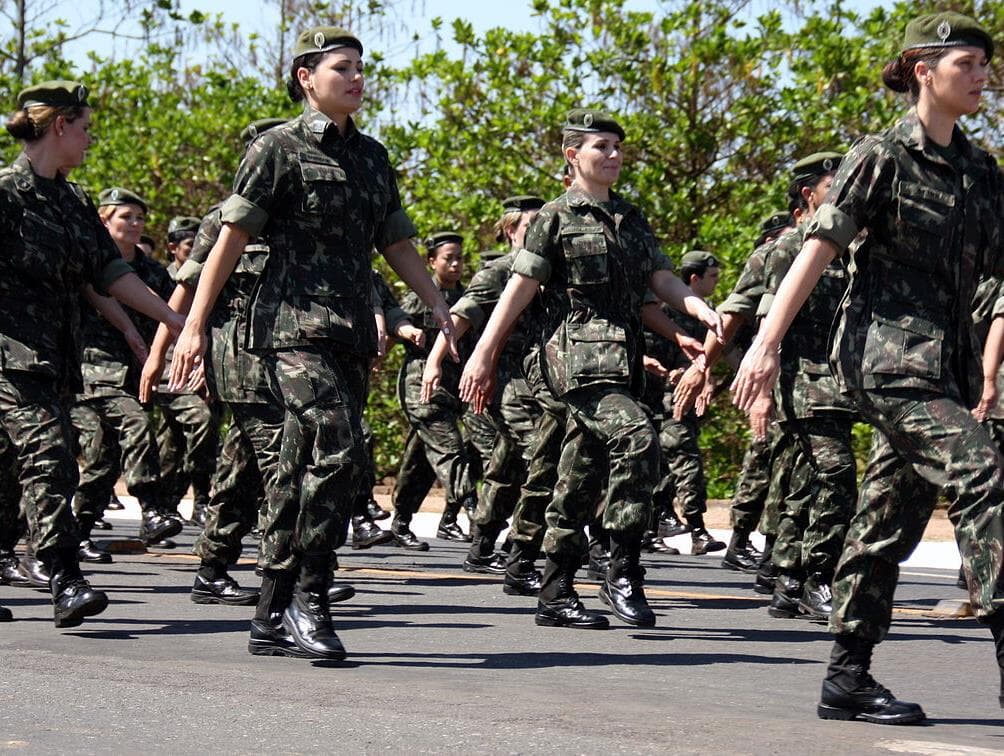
896, 77
20, 126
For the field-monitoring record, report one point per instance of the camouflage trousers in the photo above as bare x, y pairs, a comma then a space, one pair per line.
482, 435
322, 455
11, 516
682, 483
923, 443
754, 483
365, 493
820, 500
435, 449
514, 418
608, 433
248, 463
781, 468
187, 438
35, 425
116, 438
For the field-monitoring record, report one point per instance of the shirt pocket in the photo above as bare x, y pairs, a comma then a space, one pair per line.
586, 256
323, 187
924, 217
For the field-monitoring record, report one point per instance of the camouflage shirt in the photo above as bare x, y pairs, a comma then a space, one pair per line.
108, 361
414, 356
595, 261
54, 243
746, 296
934, 228
322, 201
806, 387
234, 374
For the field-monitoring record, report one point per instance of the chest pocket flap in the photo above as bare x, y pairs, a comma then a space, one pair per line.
322, 185
924, 207
585, 251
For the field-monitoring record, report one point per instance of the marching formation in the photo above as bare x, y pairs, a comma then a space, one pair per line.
556, 398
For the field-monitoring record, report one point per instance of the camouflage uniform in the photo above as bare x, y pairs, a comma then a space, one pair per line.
55, 243
988, 304
595, 262
111, 382
823, 477
905, 349
435, 448
322, 201
249, 456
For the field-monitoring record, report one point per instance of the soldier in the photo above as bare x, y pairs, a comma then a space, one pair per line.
904, 348
124, 443
56, 247
596, 271
323, 195
435, 448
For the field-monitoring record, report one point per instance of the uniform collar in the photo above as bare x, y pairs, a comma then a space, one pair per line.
910, 131
577, 197
28, 179
324, 129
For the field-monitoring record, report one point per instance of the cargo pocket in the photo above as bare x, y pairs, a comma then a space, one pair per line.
597, 351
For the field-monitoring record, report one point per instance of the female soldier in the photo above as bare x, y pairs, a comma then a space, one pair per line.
596, 256
55, 247
322, 195
904, 348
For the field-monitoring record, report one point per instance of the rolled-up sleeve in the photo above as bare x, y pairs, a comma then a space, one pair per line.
531, 265
189, 272
244, 214
110, 273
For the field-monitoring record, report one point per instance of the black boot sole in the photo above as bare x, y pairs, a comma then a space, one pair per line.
779, 613
72, 619
748, 569
813, 614
385, 537
633, 621
266, 648
420, 546
546, 621
482, 569
515, 590
211, 598
831, 712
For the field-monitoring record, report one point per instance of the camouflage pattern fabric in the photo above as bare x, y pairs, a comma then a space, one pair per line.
187, 440
750, 497
11, 515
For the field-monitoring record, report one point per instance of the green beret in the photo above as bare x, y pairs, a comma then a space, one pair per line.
697, 258
591, 122
775, 221
440, 238
116, 195
253, 129
523, 202
492, 254
816, 165
148, 241
59, 94
321, 39
183, 225
947, 29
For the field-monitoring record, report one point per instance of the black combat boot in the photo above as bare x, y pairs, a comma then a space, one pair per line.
558, 604
996, 624
5, 614
481, 557
741, 555
767, 573
787, 591
651, 543
701, 541
448, 528
403, 536
850, 692
816, 600
9, 572
213, 585
599, 559
375, 511
961, 581
155, 528
88, 551
114, 505
268, 636
200, 510
366, 533
307, 619
72, 596
521, 577
623, 590
670, 525
35, 572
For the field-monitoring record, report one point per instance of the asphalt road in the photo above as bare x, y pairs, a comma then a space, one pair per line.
440, 660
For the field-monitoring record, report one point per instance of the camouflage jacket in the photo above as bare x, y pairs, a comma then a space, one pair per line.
745, 299
54, 243
595, 261
658, 394
108, 362
934, 228
410, 375
321, 201
806, 387
383, 297
987, 305
234, 375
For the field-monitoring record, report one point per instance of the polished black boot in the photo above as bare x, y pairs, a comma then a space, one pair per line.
670, 525
5, 614
88, 551
850, 692
996, 624
307, 619
741, 555
767, 573
816, 600
481, 557
787, 591
623, 590
35, 573
268, 636
558, 604
200, 509
404, 538
366, 533
961, 581
213, 585
701, 541
72, 596
155, 528
114, 505
448, 528
521, 577
599, 561
375, 511
9, 572
652, 544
